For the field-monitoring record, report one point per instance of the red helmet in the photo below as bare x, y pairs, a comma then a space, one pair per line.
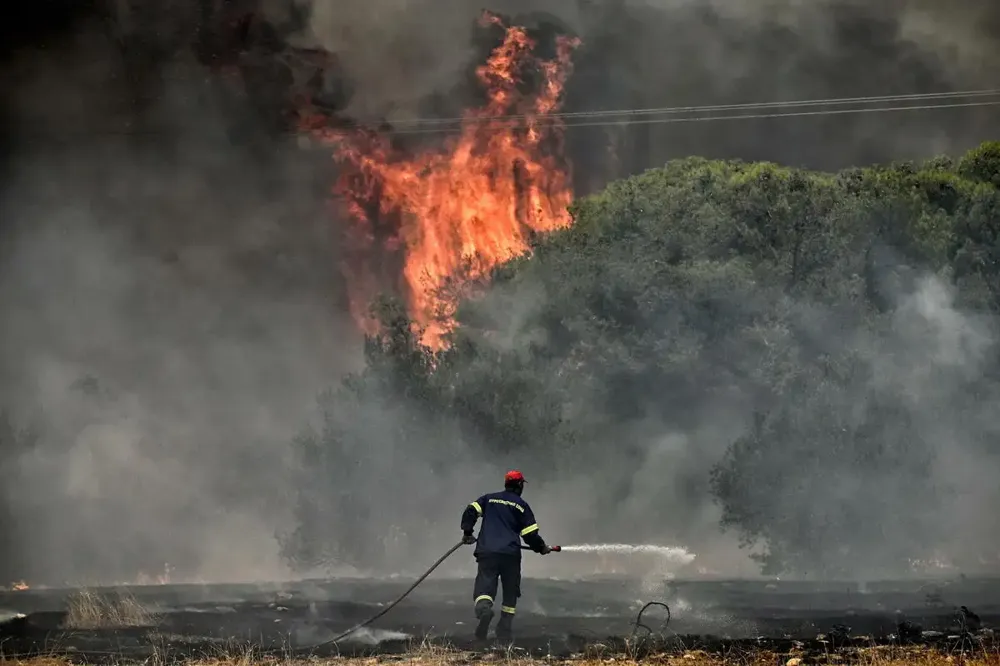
513, 476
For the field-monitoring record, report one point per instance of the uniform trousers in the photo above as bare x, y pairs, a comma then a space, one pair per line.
505, 568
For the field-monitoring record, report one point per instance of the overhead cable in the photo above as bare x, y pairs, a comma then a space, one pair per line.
669, 110
543, 121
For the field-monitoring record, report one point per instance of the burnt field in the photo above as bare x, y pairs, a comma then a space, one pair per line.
554, 617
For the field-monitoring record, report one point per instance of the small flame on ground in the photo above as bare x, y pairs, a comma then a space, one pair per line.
20, 585
474, 202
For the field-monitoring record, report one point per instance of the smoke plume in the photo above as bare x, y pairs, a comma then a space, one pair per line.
170, 308
170, 302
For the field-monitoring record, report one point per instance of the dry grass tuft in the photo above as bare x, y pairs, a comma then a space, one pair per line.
87, 609
871, 656
35, 661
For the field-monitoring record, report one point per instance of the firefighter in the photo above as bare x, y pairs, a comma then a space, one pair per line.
507, 519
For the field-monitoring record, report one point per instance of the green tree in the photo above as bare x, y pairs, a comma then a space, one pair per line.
832, 322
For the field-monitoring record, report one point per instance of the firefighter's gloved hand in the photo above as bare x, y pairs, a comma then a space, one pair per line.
468, 539
546, 549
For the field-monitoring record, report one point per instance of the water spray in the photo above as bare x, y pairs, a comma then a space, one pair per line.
676, 554
672, 553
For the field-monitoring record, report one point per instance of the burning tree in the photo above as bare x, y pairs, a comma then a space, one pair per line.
470, 203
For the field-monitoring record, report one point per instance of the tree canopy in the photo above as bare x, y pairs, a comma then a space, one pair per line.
823, 344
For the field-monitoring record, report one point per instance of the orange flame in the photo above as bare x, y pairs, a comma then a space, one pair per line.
20, 585
473, 203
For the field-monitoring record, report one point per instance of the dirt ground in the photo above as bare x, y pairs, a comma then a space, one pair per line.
442, 656
586, 622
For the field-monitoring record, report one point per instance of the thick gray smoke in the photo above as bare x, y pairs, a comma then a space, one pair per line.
169, 292
169, 310
669, 52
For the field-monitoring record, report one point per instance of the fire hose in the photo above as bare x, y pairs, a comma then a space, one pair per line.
440, 560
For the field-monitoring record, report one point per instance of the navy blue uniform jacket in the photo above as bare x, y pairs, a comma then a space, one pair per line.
506, 520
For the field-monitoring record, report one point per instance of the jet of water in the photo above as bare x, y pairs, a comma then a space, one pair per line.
674, 554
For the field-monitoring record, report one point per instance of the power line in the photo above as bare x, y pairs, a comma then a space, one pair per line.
703, 119
639, 116
836, 101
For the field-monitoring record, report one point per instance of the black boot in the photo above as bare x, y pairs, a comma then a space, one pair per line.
505, 629
484, 611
